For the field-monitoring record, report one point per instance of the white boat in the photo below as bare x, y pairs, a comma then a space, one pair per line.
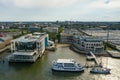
67, 65
100, 70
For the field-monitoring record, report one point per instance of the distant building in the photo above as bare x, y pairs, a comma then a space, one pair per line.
103, 26
4, 41
33, 28
67, 35
2, 27
51, 29
66, 38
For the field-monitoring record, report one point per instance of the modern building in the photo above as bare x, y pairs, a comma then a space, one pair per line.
28, 48
87, 43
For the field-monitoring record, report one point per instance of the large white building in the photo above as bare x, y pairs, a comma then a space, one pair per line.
89, 43
28, 48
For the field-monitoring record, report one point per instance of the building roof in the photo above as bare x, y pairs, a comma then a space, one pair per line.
65, 61
29, 38
92, 39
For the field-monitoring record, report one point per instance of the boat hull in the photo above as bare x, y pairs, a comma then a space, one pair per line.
64, 70
99, 72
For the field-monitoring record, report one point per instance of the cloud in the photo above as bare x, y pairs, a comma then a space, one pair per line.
107, 1
107, 5
60, 9
39, 3
61, 3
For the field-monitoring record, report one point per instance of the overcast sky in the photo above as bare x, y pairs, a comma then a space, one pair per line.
52, 10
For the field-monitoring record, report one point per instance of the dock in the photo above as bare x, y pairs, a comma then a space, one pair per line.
114, 54
90, 58
95, 59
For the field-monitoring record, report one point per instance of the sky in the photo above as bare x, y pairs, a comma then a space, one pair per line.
61, 10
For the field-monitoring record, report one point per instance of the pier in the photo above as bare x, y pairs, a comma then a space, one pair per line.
95, 59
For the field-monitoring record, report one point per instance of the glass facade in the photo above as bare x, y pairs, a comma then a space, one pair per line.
26, 45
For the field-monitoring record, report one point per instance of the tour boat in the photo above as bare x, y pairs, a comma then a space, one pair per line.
69, 65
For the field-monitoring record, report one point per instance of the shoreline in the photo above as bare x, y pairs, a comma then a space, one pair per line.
62, 45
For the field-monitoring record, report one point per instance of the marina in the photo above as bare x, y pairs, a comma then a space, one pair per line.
41, 69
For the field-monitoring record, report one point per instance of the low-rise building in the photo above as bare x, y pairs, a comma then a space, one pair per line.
67, 35
66, 38
51, 29
4, 41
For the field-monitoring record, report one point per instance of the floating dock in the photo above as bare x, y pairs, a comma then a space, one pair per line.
114, 54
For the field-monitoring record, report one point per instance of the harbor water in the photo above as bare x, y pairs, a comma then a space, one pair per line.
41, 69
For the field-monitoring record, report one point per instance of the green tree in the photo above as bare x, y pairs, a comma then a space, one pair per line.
60, 29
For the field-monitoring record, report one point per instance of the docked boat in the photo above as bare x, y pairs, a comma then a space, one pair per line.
69, 65
100, 70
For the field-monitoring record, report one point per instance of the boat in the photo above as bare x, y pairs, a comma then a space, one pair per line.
67, 65
100, 70
28, 48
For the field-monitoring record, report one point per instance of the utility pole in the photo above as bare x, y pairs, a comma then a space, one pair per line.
107, 34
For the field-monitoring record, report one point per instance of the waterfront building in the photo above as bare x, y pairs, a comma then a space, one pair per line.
28, 48
87, 43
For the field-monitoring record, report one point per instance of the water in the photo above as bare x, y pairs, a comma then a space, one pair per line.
41, 69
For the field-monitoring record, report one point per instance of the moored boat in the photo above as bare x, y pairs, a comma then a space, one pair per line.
68, 65
100, 70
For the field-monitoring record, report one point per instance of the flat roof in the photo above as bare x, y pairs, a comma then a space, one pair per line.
65, 61
29, 37
29, 53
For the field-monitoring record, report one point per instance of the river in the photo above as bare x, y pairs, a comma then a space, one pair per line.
41, 69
